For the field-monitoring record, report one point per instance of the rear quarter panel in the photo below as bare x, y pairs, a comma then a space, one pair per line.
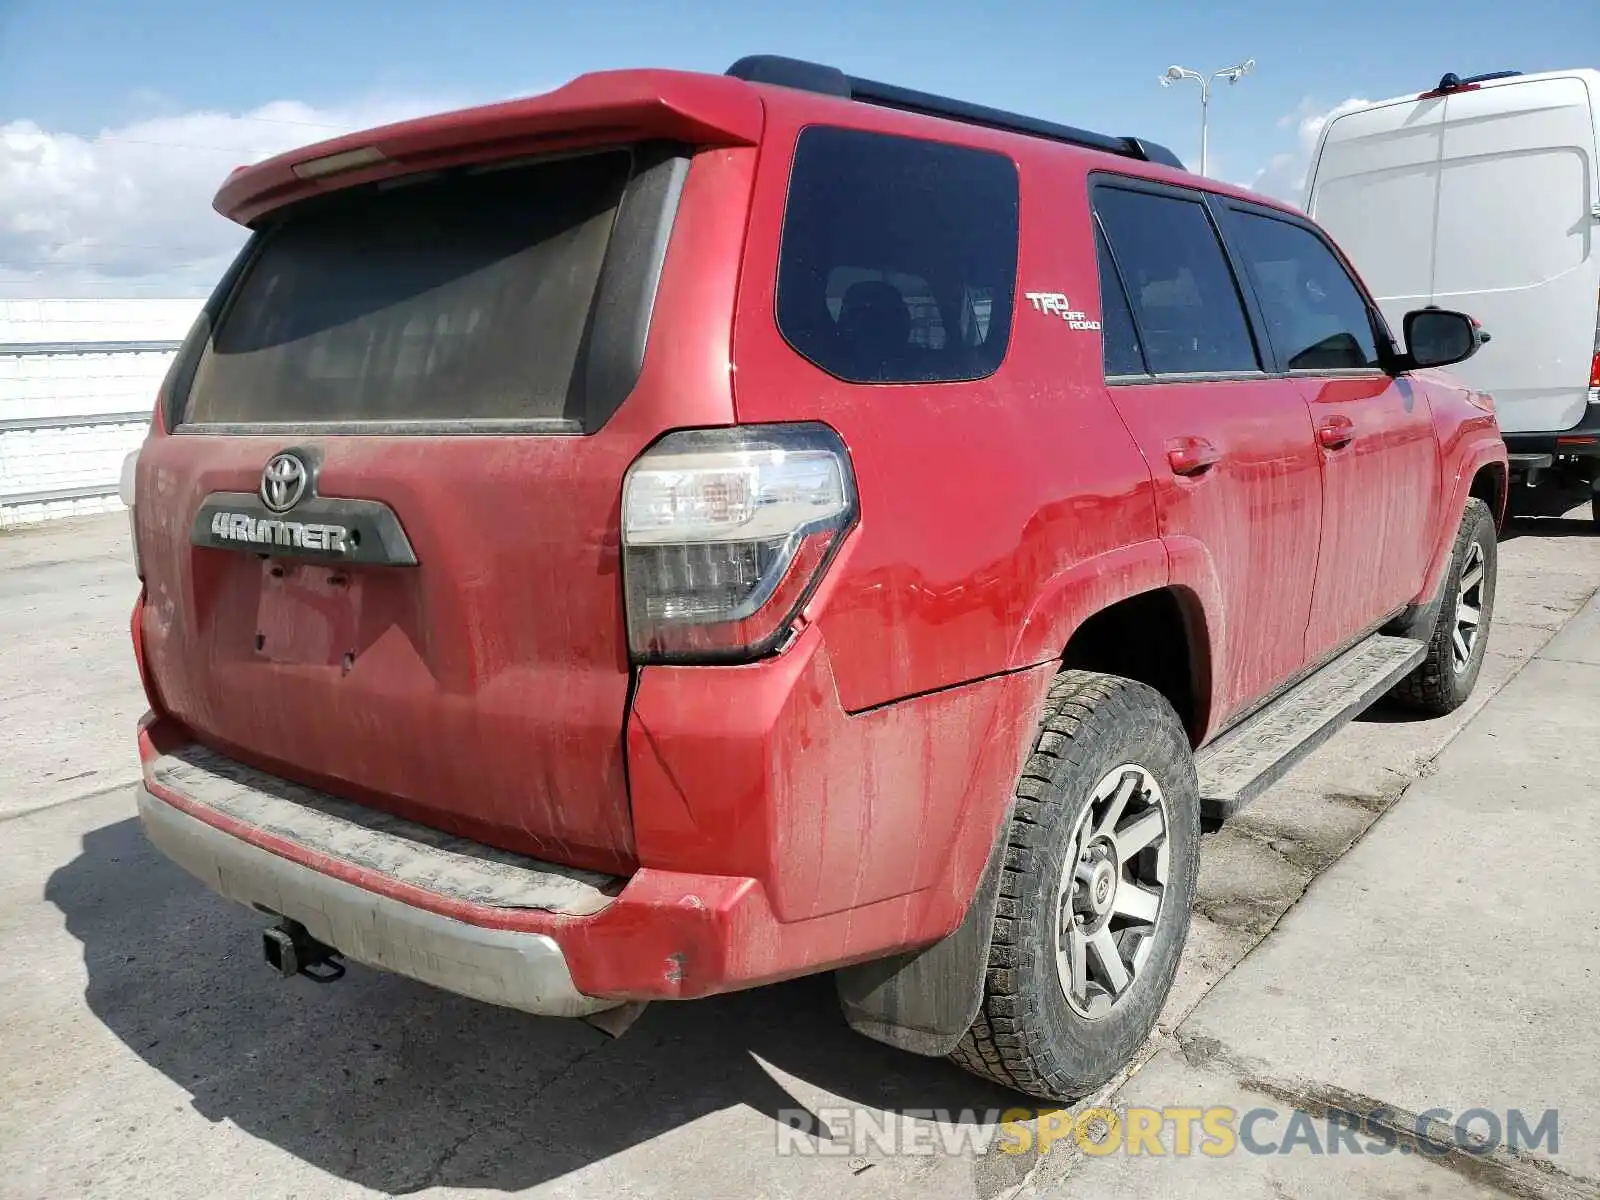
978, 499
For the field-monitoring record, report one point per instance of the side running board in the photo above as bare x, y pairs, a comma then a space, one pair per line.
1245, 761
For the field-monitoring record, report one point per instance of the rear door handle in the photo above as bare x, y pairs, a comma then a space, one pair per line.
1192, 455
1335, 433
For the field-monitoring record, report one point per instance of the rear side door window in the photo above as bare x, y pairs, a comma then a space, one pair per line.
1185, 302
1315, 314
899, 257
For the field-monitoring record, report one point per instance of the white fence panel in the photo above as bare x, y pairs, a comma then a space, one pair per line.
78, 381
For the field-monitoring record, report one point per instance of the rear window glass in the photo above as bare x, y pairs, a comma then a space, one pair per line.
899, 257
461, 297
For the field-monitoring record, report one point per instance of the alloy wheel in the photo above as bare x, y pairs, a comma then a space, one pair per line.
1469, 608
1111, 891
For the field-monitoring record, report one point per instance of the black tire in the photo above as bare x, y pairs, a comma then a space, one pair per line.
1026, 1035
1440, 684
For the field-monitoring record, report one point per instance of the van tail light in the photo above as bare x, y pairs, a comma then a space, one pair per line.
1594, 363
725, 535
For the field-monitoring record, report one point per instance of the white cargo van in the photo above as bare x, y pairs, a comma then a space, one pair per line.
1482, 195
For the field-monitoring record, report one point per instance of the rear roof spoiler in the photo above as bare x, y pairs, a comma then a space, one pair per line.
830, 81
605, 107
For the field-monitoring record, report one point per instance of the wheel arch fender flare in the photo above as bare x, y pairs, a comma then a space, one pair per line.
1484, 453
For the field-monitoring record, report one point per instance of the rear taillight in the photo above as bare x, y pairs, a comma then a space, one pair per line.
1594, 371
126, 490
725, 534
130, 467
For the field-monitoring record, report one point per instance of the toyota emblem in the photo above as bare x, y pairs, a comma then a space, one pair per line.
283, 482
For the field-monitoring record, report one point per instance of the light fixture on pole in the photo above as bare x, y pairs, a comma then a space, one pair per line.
1232, 74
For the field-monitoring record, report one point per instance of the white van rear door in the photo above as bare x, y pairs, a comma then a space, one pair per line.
1373, 187
1516, 243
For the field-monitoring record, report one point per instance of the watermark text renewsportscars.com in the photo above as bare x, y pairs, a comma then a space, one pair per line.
1214, 1131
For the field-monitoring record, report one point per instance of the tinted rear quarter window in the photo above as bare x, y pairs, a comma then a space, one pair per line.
450, 298
1185, 301
899, 257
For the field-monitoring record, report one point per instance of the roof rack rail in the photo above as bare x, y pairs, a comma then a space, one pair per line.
830, 81
1451, 82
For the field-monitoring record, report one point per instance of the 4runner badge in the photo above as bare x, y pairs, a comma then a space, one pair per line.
284, 482
298, 535
285, 517
1056, 304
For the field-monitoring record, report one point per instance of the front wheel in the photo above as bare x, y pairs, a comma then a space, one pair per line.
1444, 679
1101, 861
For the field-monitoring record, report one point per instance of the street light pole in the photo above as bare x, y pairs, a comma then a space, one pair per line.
1232, 74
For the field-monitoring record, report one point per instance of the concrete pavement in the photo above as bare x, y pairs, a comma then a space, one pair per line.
144, 1051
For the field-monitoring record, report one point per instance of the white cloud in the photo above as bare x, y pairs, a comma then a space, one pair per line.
1284, 176
127, 212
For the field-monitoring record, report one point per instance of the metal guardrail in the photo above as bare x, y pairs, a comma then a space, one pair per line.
78, 421
33, 349
89, 492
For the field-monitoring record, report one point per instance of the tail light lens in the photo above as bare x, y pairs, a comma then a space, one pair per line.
1594, 364
130, 467
726, 533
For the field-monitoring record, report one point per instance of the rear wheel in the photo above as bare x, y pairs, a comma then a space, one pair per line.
1099, 877
1444, 679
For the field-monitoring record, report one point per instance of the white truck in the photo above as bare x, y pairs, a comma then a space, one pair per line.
1483, 195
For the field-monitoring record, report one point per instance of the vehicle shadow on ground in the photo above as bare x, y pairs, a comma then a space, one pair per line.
1552, 526
397, 1087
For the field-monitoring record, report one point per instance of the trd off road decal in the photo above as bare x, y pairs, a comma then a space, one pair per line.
1056, 304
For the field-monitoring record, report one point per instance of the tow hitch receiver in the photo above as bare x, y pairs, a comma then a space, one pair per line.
291, 951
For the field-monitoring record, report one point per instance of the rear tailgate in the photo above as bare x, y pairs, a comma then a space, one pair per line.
457, 357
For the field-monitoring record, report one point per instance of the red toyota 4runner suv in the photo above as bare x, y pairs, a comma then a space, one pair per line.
682, 532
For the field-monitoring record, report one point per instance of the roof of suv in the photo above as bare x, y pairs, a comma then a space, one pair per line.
701, 109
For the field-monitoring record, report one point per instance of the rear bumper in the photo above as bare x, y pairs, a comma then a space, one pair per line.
783, 837
658, 934
515, 969
1581, 441
411, 900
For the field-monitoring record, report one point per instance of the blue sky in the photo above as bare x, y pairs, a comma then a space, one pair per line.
117, 117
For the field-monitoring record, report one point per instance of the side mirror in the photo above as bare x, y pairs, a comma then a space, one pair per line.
1437, 337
